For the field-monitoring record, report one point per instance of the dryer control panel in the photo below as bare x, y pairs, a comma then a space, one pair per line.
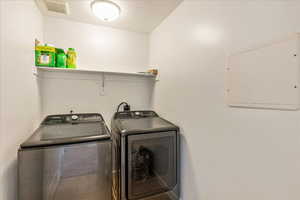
135, 114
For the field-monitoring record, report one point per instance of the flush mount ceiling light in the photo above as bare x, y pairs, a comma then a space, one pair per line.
106, 10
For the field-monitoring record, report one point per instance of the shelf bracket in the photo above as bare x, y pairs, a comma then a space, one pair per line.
102, 87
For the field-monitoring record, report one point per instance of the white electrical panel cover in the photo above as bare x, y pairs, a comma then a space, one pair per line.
265, 77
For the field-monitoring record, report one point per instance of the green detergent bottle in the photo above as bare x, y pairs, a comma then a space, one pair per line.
61, 58
71, 58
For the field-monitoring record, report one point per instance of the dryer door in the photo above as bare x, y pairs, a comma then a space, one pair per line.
151, 164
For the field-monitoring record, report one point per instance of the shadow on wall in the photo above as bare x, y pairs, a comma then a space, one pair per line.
10, 175
187, 180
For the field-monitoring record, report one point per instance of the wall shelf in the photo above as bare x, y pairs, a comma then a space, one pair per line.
92, 77
36, 71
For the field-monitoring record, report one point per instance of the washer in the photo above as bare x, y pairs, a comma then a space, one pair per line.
145, 157
67, 157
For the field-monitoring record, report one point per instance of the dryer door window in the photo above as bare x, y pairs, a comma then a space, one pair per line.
151, 164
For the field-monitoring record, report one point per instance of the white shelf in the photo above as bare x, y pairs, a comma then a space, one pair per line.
53, 69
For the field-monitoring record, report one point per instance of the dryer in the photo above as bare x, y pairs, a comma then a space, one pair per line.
145, 157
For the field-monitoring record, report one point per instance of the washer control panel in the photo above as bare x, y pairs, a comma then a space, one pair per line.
73, 118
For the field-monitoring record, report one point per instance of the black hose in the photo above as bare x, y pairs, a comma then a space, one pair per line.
125, 103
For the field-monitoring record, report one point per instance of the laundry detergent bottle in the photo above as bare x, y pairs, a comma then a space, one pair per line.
71, 58
61, 58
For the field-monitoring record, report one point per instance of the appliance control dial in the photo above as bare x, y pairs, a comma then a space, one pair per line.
74, 117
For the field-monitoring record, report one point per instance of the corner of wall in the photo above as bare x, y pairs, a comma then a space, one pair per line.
1, 114
19, 115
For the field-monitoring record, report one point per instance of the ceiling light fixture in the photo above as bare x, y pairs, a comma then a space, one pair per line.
106, 10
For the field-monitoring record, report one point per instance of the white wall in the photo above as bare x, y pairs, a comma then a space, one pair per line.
21, 23
100, 47
1, 117
83, 93
227, 153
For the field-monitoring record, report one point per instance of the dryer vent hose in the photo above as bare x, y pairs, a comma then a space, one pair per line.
126, 106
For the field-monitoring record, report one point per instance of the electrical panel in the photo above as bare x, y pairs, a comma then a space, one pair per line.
266, 76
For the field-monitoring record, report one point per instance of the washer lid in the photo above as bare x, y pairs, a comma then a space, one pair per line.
142, 122
68, 129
